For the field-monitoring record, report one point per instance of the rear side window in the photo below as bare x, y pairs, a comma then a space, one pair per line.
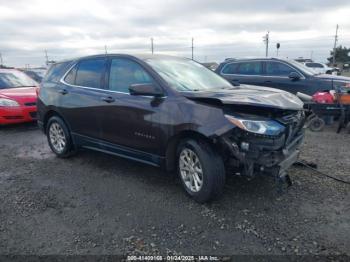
278, 69
250, 68
56, 71
230, 68
314, 65
90, 72
124, 73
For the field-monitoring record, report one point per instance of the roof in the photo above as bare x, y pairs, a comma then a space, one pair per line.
230, 60
139, 56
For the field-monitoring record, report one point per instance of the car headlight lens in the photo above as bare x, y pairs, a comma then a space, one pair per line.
8, 102
262, 127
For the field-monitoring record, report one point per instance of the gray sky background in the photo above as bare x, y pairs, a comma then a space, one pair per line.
221, 28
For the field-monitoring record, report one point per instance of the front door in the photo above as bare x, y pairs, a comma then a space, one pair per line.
128, 120
276, 75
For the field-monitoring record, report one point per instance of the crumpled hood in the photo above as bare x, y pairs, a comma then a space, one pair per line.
250, 95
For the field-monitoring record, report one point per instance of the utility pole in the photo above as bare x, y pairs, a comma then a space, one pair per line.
335, 43
152, 49
266, 41
1, 61
192, 48
311, 54
105, 49
47, 58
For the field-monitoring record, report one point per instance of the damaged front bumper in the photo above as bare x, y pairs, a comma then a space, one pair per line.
251, 155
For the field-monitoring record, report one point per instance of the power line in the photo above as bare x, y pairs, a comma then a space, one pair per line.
152, 48
266, 41
192, 48
46, 57
335, 43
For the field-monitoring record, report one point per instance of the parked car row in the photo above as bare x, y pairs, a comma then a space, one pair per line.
18, 96
288, 75
173, 113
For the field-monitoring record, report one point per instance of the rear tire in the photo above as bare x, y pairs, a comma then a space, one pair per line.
59, 137
201, 170
317, 124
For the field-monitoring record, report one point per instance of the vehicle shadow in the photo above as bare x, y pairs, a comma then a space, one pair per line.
152, 177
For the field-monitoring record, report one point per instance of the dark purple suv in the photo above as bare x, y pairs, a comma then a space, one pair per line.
170, 112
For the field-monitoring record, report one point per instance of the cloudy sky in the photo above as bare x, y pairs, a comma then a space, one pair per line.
220, 28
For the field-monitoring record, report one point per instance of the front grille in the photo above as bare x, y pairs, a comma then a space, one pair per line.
294, 123
32, 115
30, 104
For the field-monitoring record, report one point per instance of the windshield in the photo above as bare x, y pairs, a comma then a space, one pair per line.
187, 75
303, 68
13, 79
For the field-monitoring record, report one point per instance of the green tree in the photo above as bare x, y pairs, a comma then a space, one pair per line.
342, 54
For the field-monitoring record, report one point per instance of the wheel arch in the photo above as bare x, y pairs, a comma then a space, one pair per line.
50, 114
170, 154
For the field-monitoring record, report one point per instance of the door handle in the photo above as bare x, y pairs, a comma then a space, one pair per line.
108, 99
63, 91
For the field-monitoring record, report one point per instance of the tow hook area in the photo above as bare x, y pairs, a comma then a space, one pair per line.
282, 176
278, 170
283, 181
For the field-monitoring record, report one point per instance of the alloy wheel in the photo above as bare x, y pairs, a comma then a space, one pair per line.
191, 170
57, 137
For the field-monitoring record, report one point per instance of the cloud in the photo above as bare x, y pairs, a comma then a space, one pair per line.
221, 28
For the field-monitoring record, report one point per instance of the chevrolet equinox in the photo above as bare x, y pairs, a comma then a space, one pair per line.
170, 112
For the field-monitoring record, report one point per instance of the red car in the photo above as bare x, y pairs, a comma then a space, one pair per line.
18, 94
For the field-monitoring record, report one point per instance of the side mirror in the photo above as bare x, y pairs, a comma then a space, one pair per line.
294, 76
145, 90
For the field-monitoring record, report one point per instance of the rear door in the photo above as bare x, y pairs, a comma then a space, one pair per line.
82, 93
247, 72
276, 75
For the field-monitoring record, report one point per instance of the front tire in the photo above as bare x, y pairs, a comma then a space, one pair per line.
201, 170
59, 137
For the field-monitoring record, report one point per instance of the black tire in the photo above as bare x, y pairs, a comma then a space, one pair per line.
213, 170
68, 149
317, 124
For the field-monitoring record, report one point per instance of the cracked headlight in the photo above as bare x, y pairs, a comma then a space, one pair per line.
262, 127
8, 102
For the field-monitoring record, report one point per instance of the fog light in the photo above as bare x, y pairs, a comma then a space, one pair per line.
245, 146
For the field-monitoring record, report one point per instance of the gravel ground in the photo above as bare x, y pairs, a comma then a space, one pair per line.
99, 204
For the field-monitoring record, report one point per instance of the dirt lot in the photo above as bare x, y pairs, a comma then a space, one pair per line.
99, 204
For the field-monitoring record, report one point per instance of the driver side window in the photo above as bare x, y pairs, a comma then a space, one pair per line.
278, 69
124, 73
